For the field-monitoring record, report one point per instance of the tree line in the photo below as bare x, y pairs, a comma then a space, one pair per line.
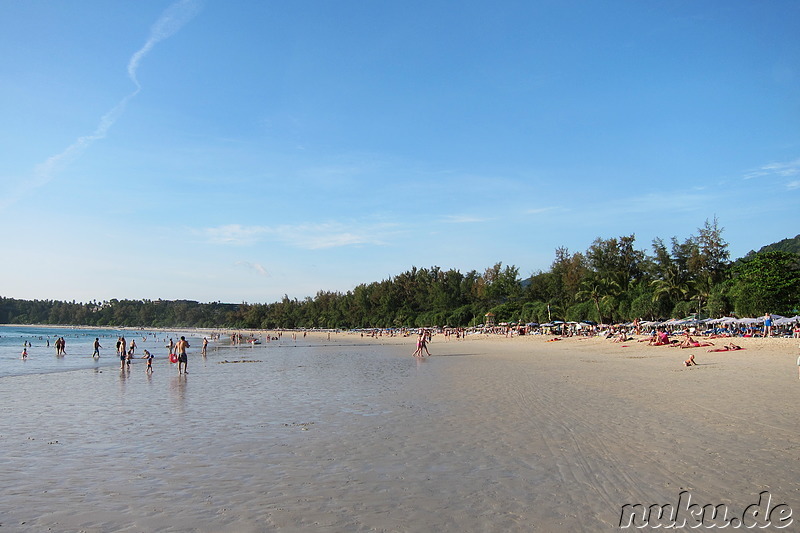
612, 281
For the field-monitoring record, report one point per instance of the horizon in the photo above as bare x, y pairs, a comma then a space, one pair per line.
317, 147
219, 302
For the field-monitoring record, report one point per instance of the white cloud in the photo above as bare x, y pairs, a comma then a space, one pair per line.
540, 210
306, 236
792, 185
783, 170
462, 219
235, 234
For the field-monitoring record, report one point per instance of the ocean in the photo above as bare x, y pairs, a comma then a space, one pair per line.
42, 357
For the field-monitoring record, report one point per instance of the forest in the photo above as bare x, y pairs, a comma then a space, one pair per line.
612, 281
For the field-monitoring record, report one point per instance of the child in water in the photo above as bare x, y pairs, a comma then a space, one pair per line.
147, 355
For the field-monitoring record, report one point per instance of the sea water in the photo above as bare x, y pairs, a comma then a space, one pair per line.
42, 358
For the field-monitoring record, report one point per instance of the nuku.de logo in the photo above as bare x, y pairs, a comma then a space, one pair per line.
687, 514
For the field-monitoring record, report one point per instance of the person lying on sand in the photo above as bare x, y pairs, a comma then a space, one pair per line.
651, 339
689, 342
727, 348
690, 361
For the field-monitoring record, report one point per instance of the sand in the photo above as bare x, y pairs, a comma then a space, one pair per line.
352, 434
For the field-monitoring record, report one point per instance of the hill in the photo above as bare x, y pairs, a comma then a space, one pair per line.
791, 245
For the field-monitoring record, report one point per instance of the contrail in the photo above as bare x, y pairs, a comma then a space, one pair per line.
168, 24
171, 20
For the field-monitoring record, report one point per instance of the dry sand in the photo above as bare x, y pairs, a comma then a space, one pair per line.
355, 435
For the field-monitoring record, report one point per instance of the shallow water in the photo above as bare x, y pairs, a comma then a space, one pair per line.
41, 349
102, 442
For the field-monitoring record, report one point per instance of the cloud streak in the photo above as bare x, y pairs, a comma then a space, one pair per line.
782, 170
255, 267
305, 236
462, 219
170, 22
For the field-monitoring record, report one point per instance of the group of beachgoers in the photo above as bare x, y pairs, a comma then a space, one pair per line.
177, 353
126, 352
60, 345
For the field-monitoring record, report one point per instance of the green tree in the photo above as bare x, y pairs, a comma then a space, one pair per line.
767, 282
599, 290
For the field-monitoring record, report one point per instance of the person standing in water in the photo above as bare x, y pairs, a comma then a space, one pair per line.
180, 349
97, 347
123, 354
149, 357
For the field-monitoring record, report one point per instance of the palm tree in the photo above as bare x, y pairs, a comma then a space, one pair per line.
598, 289
701, 288
673, 285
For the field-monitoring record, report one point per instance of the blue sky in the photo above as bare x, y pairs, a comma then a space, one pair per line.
240, 151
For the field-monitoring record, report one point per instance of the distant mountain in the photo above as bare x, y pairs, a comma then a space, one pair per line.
791, 245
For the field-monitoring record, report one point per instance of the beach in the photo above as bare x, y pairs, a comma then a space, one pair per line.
354, 434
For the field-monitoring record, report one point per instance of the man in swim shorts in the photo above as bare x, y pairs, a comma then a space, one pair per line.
180, 349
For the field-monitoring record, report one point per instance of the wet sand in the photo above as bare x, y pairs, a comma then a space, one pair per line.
354, 434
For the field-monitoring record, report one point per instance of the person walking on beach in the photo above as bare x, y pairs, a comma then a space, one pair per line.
96, 347
768, 325
422, 344
180, 349
205, 346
